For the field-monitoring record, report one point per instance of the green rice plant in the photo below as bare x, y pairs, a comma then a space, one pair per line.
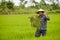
35, 21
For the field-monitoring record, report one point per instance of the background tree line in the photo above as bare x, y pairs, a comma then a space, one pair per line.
9, 8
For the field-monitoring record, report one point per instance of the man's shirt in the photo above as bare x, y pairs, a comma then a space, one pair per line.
43, 22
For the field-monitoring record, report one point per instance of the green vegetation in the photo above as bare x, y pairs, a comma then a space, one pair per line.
17, 27
7, 8
15, 22
35, 22
5, 5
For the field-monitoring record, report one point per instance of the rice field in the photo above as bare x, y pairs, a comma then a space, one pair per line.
17, 27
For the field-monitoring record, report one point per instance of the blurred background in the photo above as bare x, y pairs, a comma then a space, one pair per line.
11, 6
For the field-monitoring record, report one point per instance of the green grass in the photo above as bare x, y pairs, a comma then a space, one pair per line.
17, 27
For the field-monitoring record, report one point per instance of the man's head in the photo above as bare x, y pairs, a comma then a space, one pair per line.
40, 11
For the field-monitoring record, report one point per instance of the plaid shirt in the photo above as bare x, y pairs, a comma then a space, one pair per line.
43, 22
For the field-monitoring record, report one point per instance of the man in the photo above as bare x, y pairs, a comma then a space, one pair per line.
43, 23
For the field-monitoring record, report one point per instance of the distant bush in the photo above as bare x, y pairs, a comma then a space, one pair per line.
10, 5
22, 6
54, 11
6, 8
57, 11
55, 6
3, 5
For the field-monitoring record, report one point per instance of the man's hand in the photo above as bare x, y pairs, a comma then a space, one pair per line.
45, 13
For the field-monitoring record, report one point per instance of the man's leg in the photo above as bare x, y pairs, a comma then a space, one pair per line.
43, 32
38, 33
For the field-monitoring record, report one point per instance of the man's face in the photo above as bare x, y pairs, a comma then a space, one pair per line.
40, 13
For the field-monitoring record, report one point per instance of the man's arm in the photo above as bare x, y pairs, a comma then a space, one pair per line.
46, 17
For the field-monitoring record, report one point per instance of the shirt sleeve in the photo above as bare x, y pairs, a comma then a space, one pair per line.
47, 18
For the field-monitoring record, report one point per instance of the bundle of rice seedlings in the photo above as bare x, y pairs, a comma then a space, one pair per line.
35, 21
